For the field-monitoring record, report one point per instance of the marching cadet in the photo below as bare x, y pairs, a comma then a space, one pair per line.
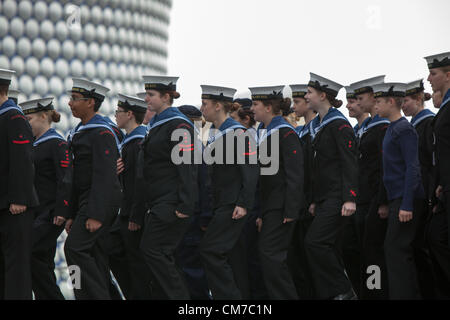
96, 191
352, 238
129, 116
414, 106
404, 191
18, 197
171, 184
52, 171
233, 187
280, 190
334, 192
299, 266
372, 205
439, 232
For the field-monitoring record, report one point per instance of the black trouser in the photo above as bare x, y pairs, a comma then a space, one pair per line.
274, 241
162, 234
188, 258
239, 264
323, 254
436, 237
138, 272
45, 236
373, 251
16, 244
297, 260
221, 236
88, 251
399, 252
446, 196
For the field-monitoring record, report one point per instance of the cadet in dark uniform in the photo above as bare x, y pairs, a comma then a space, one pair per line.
233, 186
439, 232
334, 172
372, 204
414, 106
129, 116
280, 188
297, 259
96, 191
17, 196
53, 170
171, 184
404, 191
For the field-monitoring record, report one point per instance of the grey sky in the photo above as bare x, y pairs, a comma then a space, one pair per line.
242, 43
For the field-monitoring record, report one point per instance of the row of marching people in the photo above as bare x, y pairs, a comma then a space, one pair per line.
321, 211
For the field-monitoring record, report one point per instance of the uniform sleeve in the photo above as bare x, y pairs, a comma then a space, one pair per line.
138, 207
443, 167
187, 170
347, 148
409, 148
104, 188
205, 196
63, 166
21, 168
291, 155
382, 198
249, 172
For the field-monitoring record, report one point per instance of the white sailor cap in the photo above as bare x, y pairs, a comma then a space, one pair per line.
160, 83
131, 103
218, 93
299, 90
390, 89
13, 95
89, 89
415, 87
323, 84
350, 92
6, 76
37, 105
141, 95
267, 93
365, 86
438, 60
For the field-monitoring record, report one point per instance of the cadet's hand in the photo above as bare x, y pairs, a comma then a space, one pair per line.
120, 166
383, 211
259, 224
133, 226
439, 191
68, 225
180, 215
93, 225
58, 221
17, 208
348, 209
405, 216
312, 209
287, 220
239, 213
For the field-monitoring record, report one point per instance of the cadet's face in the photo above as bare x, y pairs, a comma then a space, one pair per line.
259, 110
382, 107
365, 101
300, 107
437, 99
313, 98
37, 121
354, 111
154, 100
208, 110
79, 105
122, 117
410, 106
438, 79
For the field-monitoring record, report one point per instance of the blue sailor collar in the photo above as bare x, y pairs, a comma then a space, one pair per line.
96, 122
299, 129
227, 126
332, 115
138, 133
276, 124
48, 135
9, 105
167, 115
306, 129
422, 115
359, 131
446, 99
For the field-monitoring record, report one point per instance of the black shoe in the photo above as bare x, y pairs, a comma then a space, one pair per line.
347, 296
